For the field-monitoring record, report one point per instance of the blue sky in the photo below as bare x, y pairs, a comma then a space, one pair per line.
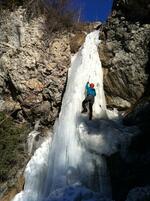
94, 10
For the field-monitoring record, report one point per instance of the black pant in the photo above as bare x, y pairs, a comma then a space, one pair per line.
88, 100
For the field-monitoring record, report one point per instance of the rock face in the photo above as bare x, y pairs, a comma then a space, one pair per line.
15, 190
79, 34
125, 55
77, 41
33, 65
132, 171
135, 10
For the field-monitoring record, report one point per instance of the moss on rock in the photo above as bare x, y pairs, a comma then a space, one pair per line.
12, 147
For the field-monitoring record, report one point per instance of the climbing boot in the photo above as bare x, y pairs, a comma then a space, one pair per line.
84, 111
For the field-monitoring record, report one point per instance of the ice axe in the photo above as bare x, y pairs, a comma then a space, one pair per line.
89, 78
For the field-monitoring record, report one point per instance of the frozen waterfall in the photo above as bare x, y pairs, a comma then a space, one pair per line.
67, 156
68, 160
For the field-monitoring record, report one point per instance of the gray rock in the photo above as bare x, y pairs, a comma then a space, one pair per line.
126, 55
42, 110
32, 61
139, 194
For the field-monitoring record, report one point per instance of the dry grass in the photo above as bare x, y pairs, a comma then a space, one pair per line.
57, 12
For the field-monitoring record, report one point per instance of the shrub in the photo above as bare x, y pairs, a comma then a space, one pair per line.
58, 12
10, 4
12, 135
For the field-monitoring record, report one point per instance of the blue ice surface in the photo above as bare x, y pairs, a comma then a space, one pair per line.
76, 193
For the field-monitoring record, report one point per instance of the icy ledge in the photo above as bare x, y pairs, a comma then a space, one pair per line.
76, 192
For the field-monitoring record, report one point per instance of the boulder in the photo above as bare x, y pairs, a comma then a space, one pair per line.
34, 84
10, 106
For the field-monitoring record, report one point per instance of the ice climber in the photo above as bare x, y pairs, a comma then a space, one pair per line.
91, 93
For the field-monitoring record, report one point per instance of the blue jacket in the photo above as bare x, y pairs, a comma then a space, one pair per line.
90, 91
